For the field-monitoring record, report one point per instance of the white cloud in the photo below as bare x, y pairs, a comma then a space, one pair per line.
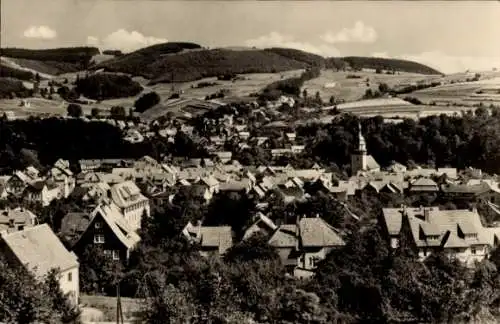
275, 39
42, 32
449, 63
360, 33
125, 41
92, 41
380, 54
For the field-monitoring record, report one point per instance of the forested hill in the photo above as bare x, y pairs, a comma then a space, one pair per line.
359, 62
184, 61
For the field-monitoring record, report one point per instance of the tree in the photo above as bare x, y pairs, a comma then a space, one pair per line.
95, 112
146, 101
118, 112
317, 98
332, 100
304, 93
74, 110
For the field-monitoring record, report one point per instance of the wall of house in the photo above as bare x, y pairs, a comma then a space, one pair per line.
358, 162
111, 242
133, 214
464, 255
69, 281
306, 260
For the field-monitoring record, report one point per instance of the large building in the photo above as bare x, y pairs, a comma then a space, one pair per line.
131, 202
459, 233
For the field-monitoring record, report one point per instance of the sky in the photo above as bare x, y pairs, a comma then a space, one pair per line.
450, 36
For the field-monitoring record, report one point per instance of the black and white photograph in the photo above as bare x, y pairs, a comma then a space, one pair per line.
249, 162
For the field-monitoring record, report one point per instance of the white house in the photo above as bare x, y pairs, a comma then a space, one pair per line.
39, 250
132, 203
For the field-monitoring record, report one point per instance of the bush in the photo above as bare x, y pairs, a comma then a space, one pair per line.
146, 101
74, 110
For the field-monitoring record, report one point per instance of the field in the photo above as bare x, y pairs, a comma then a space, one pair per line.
486, 91
107, 305
331, 83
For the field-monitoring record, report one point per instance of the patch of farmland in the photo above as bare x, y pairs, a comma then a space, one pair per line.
243, 86
337, 84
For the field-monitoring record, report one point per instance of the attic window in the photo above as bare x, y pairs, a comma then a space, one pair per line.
432, 237
471, 236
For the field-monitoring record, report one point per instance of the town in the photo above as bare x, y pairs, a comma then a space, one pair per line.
257, 172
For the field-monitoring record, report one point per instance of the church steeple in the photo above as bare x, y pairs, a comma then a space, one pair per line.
359, 158
362, 142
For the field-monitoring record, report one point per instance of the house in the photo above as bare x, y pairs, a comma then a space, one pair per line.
301, 245
38, 250
459, 233
471, 192
131, 202
109, 230
423, 185
16, 184
63, 177
3, 186
262, 224
43, 192
16, 219
224, 156
213, 240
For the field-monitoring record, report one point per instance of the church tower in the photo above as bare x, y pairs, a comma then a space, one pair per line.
359, 157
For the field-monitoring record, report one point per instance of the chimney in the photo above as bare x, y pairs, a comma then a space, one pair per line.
426, 214
297, 232
317, 215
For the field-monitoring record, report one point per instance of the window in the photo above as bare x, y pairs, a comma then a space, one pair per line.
116, 255
473, 250
99, 238
70, 276
98, 225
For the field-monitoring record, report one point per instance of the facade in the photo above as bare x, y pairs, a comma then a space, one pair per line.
38, 250
131, 202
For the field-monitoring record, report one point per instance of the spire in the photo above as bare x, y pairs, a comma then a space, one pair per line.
361, 139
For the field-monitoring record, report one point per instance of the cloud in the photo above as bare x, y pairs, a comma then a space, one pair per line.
92, 41
41, 32
360, 33
125, 41
449, 63
275, 39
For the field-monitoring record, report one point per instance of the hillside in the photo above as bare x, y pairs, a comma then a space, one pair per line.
194, 65
10, 72
185, 62
52, 61
358, 62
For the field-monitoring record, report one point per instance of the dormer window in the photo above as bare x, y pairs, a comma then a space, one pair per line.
433, 237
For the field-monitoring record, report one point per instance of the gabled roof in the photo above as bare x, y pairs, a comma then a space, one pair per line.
262, 223
126, 194
18, 215
217, 236
285, 237
315, 232
40, 250
431, 220
117, 223
74, 222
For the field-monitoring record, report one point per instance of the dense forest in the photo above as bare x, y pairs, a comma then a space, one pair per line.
103, 86
68, 54
8, 72
11, 88
41, 142
472, 140
290, 86
376, 63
